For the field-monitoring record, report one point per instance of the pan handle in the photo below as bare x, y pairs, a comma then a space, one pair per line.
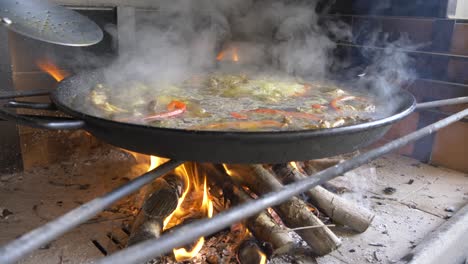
47, 122
438, 103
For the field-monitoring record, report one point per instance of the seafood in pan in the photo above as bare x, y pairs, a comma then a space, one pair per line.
232, 102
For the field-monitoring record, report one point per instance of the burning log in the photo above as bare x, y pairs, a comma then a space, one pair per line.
265, 228
337, 208
295, 213
161, 201
262, 226
249, 252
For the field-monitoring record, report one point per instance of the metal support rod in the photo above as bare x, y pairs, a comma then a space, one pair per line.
439, 103
15, 250
18, 94
155, 247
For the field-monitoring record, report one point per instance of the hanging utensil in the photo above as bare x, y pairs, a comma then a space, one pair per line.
45, 21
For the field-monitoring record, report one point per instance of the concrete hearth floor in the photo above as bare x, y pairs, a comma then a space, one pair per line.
424, 197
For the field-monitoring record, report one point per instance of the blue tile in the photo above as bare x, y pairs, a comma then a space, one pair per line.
419, 8
442, 31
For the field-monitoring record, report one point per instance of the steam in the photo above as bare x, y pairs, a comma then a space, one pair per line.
183, 37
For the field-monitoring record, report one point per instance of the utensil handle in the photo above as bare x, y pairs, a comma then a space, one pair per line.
17, 94
47, 122
446, 102
31, 105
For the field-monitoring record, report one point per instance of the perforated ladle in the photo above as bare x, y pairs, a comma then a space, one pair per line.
45, 21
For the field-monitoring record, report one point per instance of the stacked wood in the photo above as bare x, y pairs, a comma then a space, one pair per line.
246, 182
262, 226
295, 213
160, 201
340, 210
311, 167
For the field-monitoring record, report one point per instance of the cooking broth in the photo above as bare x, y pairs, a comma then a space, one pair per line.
231, 102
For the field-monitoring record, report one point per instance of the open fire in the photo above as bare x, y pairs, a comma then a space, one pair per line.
188, 205
195, 202
203, 189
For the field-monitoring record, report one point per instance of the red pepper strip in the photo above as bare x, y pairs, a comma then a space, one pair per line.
243, 125
285, 113
239, 115
174, 108
176, 105
318, 106
334, 102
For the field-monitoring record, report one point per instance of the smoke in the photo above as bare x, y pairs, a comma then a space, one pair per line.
389, 67
386, 64
183, 37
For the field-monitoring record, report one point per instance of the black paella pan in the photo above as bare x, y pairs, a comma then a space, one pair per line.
209, 146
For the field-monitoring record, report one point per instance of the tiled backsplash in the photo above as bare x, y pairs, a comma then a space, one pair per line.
440, 59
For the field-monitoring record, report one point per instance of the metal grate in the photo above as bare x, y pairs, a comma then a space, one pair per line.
22, 246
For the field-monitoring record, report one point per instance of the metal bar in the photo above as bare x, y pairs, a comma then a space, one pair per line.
18, 94
155, 247
446, 102
15, 250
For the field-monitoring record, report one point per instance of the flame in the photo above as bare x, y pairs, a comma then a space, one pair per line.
263, 257
155, 162
186, 207
182, 254
52, 70
297, 166
178, 209
235, 55
231, 52
228, 171
220, 56
294, 165
207, 203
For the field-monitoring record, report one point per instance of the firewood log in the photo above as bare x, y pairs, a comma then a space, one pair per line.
294, 213
311, 167
314, 166
340, 210
262, 226
161, 201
